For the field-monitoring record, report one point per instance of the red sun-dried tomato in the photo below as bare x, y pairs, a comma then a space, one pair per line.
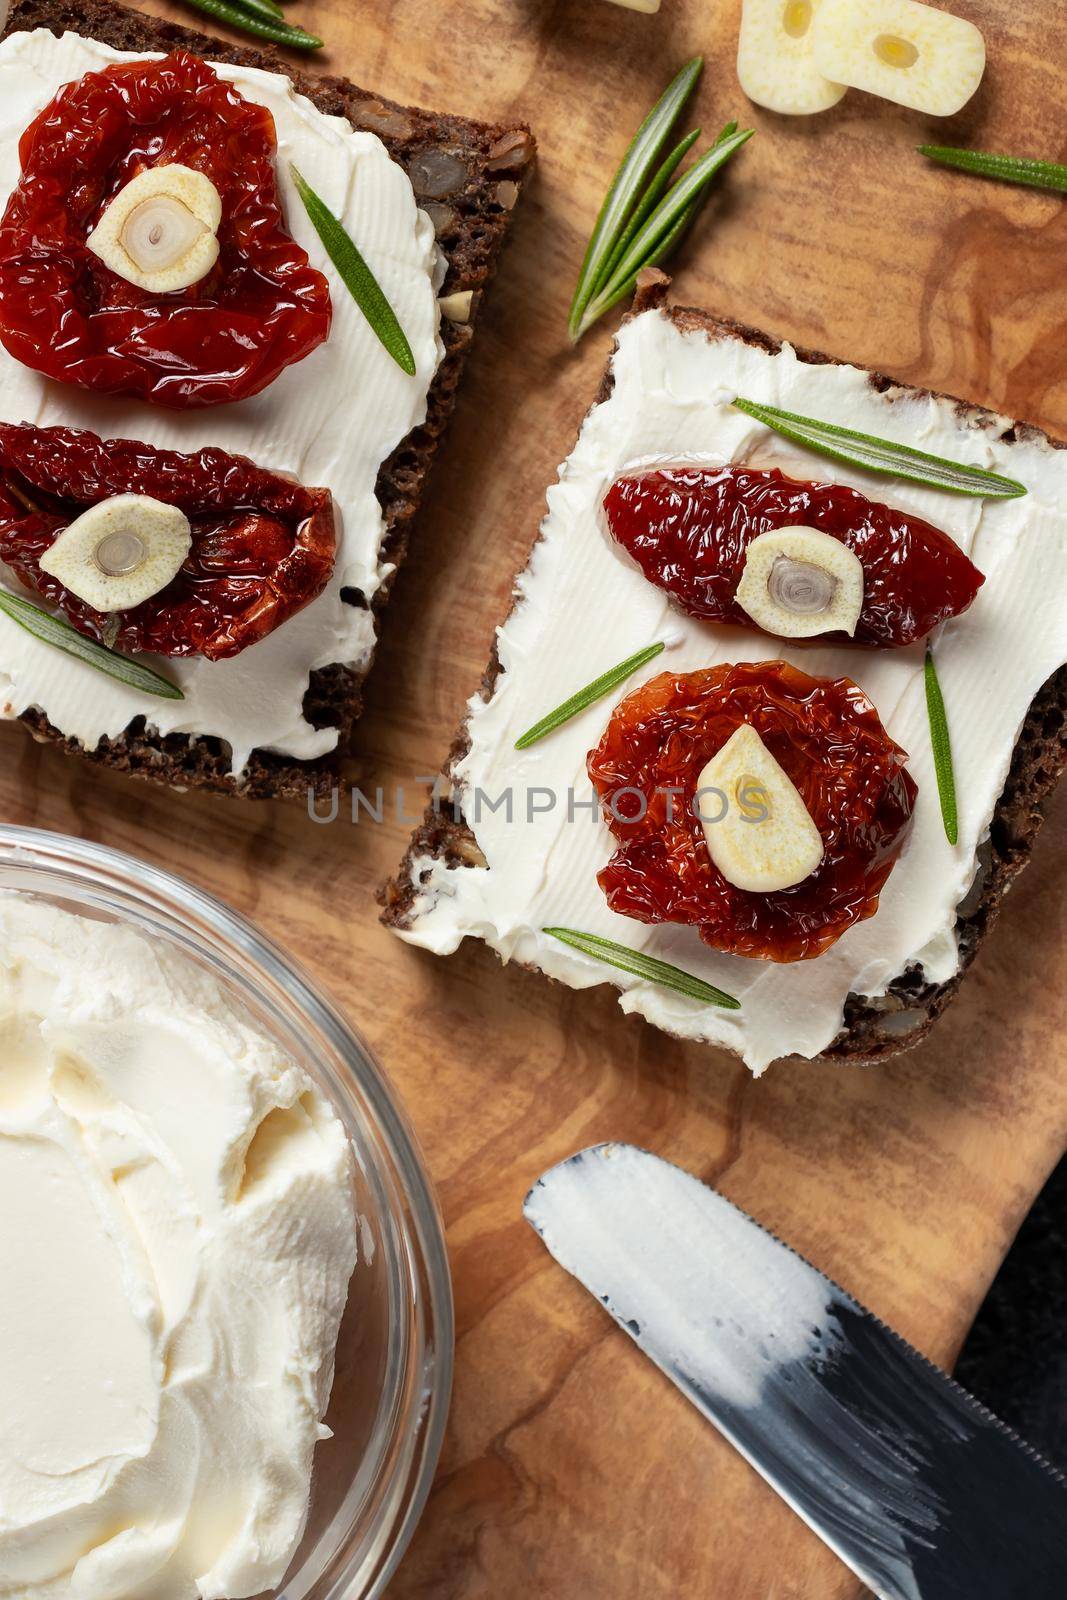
263, 547
688, 529
66, 314
828, 738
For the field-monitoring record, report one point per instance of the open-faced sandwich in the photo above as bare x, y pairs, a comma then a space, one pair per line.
234, 302
765, 736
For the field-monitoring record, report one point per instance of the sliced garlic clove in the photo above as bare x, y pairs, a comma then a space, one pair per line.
759, 831
160, 231
775, 64
912, 54
799, 582
120, 552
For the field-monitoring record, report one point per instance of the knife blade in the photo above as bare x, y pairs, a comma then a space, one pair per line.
919, 1489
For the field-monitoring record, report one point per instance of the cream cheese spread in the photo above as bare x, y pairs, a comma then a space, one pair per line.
582, 606
330, 420
178, 1237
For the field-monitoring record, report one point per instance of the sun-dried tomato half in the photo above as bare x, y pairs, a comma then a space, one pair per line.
263, 547
826, 735
688, 529
66, 314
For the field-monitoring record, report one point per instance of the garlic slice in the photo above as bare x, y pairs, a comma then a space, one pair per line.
912, 54
775, 64
120, 552
160, 231
799, 582
759, 831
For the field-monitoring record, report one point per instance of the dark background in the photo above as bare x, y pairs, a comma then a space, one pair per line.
1015, 1360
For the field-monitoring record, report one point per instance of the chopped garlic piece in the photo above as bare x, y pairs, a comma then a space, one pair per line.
639, 5
799, 582
759, 832
913, 54
120, 552
160, 231
457, 307
775, 65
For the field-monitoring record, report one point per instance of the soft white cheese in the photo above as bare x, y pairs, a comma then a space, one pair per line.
179, 1233
583, 606
732, 1316
664, 1254
330, 420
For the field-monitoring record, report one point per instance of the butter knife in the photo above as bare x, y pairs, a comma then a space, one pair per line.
919, 1489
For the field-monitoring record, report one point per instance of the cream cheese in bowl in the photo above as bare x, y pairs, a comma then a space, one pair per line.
174, 1295
196, 1160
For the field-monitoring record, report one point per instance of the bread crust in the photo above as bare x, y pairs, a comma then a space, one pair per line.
875, 1029
491, 161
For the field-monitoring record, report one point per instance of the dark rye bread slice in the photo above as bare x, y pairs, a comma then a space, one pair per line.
874, 1029
467, 176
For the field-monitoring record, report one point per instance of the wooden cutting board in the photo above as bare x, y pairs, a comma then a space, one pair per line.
572, 1469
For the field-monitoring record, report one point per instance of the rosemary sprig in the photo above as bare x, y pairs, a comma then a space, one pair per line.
649, 200
261, 26
942, 747
53, 630
629, 184
644, 215
585, 697
669, 220
1009, 169
642, 966
883, 455
358, 278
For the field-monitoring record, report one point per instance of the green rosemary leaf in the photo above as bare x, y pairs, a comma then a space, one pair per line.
670, 240
942, 746
358, 278
53, 630
665, 247
585, 697
883, 455
629, 184
269, 9
642, 966
648, 203
261, 26
681, 227
1009, 169
649, 245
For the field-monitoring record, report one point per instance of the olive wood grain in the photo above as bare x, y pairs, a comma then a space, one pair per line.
572, 1469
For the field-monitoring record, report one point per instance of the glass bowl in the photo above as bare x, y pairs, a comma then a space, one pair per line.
394, 1357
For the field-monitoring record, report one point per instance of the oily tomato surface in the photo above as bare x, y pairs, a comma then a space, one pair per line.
66, 314
828, 738
263, 547
688, 529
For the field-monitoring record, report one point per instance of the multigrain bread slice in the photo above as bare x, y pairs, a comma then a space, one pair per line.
467, 176
874, 1029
